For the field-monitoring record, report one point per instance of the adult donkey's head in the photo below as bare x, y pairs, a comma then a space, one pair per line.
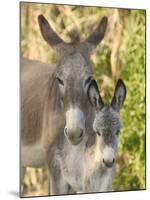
73, 75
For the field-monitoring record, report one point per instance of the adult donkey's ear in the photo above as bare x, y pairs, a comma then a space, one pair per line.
119, 95
94, 96
48, 33
98, 34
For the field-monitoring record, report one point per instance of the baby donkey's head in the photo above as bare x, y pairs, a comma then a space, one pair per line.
107, 122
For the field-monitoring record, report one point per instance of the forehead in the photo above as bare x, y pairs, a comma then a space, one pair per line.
108, 120
74, 64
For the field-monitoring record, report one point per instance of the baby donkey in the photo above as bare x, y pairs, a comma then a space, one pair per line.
90, 166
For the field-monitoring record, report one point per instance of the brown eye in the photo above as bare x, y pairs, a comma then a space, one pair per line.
98, 133
117, 132
60, 81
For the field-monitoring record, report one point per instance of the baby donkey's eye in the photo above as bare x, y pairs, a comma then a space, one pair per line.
98, 132
117, 132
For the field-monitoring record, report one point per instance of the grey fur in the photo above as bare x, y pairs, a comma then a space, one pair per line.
87, 168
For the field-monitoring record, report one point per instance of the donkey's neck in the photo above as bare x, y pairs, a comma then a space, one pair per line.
53, 114
93, 152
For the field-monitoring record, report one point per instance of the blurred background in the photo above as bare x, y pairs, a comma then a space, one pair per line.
120, 55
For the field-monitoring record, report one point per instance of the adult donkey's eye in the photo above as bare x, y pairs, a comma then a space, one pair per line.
60, 81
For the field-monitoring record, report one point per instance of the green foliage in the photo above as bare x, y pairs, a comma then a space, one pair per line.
131, 175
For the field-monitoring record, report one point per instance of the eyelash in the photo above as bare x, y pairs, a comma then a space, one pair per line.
60, 81
98, 133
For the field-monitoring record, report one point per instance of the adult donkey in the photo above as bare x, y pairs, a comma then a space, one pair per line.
89, 166
54, 98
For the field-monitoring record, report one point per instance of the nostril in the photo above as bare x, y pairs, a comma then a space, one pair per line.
65, 130
103, 161
81, 133
71, 137
108, 163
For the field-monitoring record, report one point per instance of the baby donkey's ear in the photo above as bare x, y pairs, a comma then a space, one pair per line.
119, 95
94, 96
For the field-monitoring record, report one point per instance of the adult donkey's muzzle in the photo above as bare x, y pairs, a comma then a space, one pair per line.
74, 136
75, 126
